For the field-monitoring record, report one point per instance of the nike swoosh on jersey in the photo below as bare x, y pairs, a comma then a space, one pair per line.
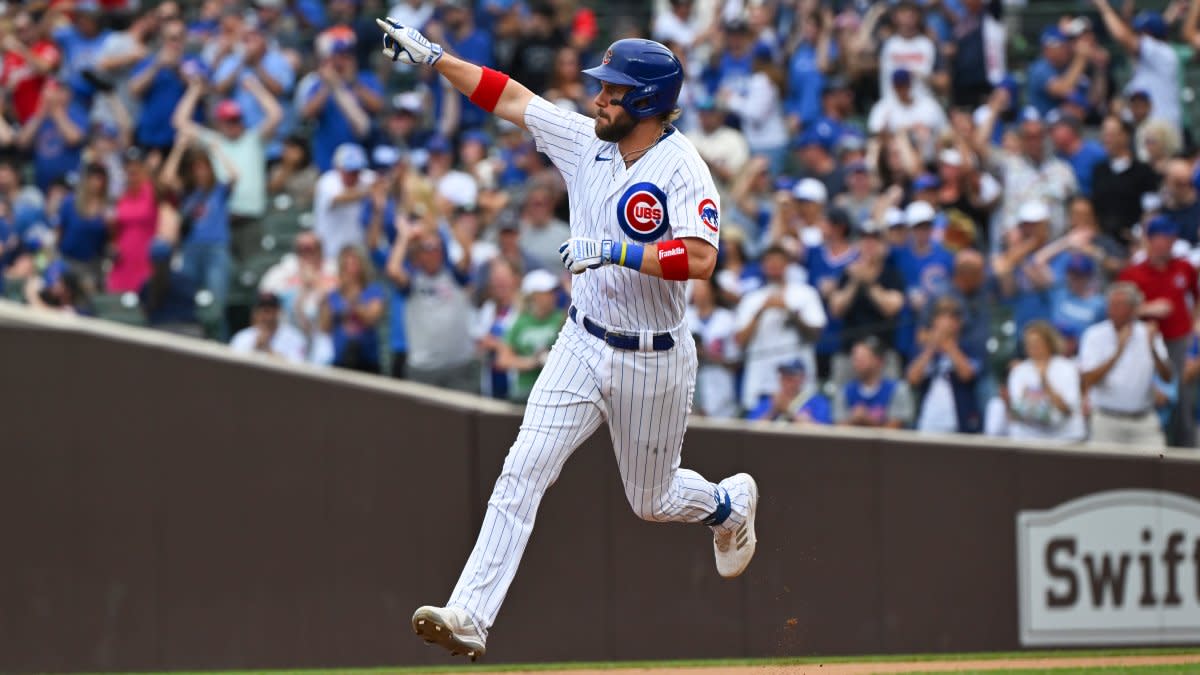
603, 159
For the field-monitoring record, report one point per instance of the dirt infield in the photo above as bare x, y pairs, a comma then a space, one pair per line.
882, 668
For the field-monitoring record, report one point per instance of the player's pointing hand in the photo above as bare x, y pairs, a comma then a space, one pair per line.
404, 43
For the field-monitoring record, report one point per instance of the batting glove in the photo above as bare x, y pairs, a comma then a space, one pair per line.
403, 41
580, 254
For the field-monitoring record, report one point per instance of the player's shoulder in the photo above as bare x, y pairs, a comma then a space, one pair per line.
684, 158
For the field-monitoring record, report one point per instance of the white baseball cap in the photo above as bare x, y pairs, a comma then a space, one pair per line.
894, 217
951, 156
810, 190
538, 281
1034, 211
919, 212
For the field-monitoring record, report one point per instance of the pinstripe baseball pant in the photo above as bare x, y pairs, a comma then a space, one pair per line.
645, 396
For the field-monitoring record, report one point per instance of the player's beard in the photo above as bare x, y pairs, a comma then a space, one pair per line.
615, 129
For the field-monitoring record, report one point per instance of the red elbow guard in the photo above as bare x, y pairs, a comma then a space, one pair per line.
491, 86
673, 259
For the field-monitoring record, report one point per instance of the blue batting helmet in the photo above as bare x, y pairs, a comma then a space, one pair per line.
653, 72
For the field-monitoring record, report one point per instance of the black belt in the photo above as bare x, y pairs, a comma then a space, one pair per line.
661, 342
1120, 414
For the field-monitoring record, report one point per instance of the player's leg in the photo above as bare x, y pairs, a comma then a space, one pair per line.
564, 409
651, 398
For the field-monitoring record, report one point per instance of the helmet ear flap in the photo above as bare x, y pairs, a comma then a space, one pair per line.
640, 102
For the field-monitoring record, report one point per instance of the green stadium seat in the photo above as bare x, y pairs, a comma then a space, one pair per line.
120, 307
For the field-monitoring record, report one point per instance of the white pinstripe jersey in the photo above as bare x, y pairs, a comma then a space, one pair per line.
667, 194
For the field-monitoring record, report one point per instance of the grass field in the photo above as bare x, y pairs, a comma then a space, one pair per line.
1057, 662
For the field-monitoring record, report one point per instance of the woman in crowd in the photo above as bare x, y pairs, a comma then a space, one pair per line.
1044, 399
294, 175
351, 314
83, 226
133, 226
207, 260
566, 81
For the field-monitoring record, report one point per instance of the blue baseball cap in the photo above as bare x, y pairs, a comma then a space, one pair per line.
1080, 99
1067, 329
793, 367
350, 157
1151, 23
1053, 36
901, 77
478, 136
813, 137
385, 156
1162, 225
54, 271
926, 181
784, 183
1081, 264
438, 145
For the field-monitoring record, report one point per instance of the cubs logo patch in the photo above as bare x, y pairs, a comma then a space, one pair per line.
607, 57
709, 215
642, 212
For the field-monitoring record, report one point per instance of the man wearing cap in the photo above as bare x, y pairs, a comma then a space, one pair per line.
907, 109
1119, 183
804, 230
860, 196
925, 265
1066, 134
167, 297
1156, 65
721, 146
1025, 285
1076, 303
540, 228
532, 334
338, 96
267, 335
1169, 286
776, 323
794, 402
338, 200
945, 374
1058, 73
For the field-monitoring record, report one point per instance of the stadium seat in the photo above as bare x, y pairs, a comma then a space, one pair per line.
120, 307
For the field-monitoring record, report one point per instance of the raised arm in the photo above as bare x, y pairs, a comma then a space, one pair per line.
273, 112
181, 119
1120, 31
1191, 32
489, 89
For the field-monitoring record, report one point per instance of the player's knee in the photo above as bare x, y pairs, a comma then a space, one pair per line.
648, 507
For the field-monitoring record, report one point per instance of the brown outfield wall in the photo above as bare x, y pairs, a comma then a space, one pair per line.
170, 507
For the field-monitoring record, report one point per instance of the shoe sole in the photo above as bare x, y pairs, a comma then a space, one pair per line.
433, 630
747, 531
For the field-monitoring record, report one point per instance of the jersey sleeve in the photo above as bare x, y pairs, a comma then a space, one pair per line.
561, 135
693, 203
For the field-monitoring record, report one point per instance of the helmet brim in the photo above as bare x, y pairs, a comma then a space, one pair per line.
606, 73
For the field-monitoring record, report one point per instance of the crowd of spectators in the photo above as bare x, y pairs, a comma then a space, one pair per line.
917, 230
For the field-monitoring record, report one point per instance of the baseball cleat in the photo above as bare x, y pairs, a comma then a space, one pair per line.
734, 548
449, 628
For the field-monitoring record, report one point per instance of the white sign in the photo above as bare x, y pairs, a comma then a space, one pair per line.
1118, 567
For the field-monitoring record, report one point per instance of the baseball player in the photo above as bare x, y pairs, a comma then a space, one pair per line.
644, 220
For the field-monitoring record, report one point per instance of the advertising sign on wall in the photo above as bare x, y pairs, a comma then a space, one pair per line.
1116, 567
